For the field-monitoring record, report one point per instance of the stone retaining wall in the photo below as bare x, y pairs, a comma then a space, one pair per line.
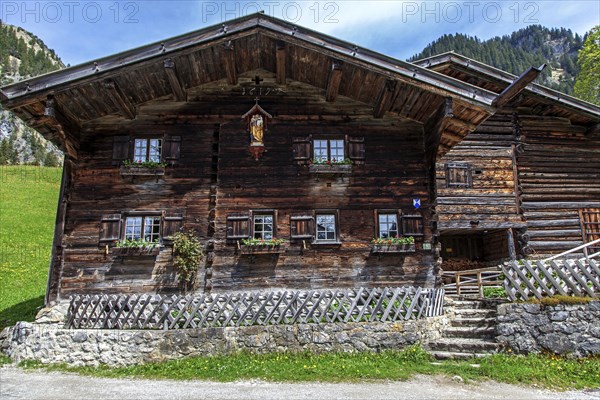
50, 343
563, 329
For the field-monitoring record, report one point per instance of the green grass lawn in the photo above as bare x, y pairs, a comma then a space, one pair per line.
28, 199
543, 371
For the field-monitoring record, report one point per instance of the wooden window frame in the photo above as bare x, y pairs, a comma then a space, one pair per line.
336, 221
328, 141
398, 215
143, 215
466, 167
268, 212
147, 140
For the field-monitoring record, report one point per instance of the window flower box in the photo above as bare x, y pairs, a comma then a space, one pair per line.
393, 248
136, 251
131, 170
261, 246
266, 249
331, 169
147, 168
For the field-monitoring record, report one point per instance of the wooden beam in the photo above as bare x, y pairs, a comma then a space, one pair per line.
280, 57
333, 84
125, 106
593, 131
174, 81
386, 97
517, 86
230, 68
61, 126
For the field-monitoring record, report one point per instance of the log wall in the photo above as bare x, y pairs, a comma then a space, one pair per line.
489, 202
216, 176
559, 174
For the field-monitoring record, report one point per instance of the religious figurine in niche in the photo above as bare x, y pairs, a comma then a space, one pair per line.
257, 123
257, 129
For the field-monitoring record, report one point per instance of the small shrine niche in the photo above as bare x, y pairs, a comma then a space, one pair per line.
257, 123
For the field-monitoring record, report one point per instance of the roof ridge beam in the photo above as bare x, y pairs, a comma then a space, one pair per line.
517, 86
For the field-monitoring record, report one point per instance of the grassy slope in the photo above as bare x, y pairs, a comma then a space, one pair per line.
28, 199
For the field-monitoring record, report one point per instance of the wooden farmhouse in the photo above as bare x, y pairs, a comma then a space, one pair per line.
256, 131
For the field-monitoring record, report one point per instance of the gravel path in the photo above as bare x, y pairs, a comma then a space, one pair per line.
18, 384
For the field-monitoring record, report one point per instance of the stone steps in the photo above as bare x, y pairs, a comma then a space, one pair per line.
464, 345
471, 332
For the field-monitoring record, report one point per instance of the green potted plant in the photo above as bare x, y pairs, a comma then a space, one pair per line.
136, 247
151, 168
402, 244
333, 166
261, 246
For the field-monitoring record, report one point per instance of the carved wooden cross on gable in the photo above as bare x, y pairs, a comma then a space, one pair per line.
257, 80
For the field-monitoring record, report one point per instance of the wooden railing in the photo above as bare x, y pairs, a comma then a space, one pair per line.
526, 279
219, 310
471, 282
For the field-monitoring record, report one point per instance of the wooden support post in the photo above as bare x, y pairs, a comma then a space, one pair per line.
230, 67
335, 78
280, 58
510, 238
56, 258
174, 81
517, 86
385, 99
121, 101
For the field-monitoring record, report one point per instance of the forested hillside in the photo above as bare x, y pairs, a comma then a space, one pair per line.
531, 46
23, 55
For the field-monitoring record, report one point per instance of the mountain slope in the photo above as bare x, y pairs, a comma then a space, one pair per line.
531, 46
23, 55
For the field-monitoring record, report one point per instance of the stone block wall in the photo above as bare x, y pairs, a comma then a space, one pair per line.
563, 329
49, 343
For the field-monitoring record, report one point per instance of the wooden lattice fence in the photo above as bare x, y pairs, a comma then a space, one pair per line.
526, 279
147, 311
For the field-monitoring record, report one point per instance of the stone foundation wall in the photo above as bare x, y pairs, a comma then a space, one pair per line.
49, 343
563, 329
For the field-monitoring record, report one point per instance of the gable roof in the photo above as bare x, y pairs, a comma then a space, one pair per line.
493, 79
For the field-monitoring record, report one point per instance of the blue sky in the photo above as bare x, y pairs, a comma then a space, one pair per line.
81, 31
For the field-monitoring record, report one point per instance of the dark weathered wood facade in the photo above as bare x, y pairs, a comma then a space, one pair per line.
395, 120
534, 168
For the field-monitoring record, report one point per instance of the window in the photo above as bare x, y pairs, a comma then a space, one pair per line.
305, 149
158, 226
139, 149
147, 150
387, 225
142, 228
328, 150
259, 224
326, 228
458, 175
263, 226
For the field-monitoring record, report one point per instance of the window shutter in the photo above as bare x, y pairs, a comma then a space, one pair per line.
412, 225
356, 149
120, 149
110, 228
171, 149
172, 224
238, 227
458, 175
301, 227
301, 148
